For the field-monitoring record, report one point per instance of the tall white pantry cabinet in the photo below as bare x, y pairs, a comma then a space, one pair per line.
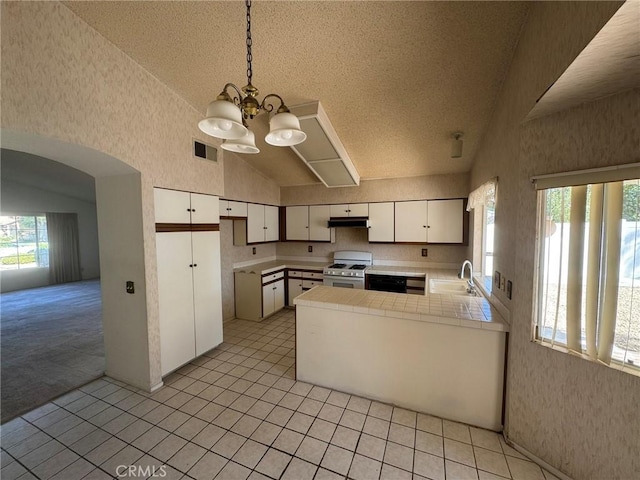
189, 275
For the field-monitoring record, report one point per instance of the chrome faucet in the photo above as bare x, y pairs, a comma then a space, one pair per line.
471, 287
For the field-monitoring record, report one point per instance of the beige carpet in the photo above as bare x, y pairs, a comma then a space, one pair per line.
51, 343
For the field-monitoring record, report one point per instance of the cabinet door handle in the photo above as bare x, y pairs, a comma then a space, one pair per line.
428, 226
195, 264
191, 266
193, 209
424, 226
188, 209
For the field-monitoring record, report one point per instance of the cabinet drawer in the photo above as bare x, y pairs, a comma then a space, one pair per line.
415, 283
307, 284
295, 274
314, 275
272, 276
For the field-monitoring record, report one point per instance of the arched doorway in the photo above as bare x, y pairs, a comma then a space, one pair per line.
121, 246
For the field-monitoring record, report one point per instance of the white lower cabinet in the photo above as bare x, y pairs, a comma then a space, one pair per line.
189, 295
295, 289
258, 295
299, 281
272, 297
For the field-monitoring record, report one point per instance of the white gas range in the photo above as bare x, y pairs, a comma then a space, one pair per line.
348, 269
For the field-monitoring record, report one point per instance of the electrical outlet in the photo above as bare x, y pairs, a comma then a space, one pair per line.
254, 250
130, 287
502, 283
424, 252
310, 248
509, 289
496, 279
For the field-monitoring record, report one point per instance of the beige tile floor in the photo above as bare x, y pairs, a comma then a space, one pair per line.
238, 413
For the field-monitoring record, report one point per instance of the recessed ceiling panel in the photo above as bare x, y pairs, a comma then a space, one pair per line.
317, 146
333, 173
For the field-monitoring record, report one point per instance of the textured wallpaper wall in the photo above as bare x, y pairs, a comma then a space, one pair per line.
578, 416
356, 239
242, 182
407, 188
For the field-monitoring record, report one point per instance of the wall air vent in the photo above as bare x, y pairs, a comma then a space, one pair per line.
207, 152
323, 151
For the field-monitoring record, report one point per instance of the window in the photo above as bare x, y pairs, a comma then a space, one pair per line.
23, 242
488, 224
588, 267
483, 201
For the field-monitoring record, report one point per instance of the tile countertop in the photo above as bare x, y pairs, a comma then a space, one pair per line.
275, 265
396, 270
458, 310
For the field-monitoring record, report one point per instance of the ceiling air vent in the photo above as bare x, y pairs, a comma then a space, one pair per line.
207, 152
323, 151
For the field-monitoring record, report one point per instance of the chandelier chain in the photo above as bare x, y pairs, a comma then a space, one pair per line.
249, 43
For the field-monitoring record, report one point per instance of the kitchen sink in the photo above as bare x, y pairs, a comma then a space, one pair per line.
449, 287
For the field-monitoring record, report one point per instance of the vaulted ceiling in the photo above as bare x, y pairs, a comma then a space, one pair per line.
397, 79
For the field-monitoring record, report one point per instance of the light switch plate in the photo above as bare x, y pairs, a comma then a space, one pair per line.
502, 283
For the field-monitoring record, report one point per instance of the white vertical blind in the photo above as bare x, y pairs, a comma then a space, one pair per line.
574, 274
588, 287
612, 231
593, 269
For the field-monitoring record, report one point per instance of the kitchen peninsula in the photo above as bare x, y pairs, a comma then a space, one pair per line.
439, 354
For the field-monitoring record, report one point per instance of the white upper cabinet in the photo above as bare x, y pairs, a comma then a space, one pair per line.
255, 223
445, 221
381, 222
173, 206
318, 220
262, 223
430, 221
231, 208
204, 208
297, 222
411, 221
308, 223
271, 224
350, 210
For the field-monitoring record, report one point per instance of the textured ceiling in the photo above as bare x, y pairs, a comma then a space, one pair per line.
395, 78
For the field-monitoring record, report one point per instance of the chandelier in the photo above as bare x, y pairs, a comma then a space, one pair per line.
227, 116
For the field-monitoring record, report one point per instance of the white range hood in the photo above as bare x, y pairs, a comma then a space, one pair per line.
323, 151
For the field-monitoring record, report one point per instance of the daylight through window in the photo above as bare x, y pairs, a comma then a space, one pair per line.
588, 287
23, 242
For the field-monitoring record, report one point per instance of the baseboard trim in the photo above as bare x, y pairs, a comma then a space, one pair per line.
157, 387
535, 459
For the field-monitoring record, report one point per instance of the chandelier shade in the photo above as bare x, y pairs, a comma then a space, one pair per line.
226, 116
285, 130
224, 120
244, 144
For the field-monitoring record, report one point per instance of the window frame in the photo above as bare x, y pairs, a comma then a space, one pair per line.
37, 242
571, 179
